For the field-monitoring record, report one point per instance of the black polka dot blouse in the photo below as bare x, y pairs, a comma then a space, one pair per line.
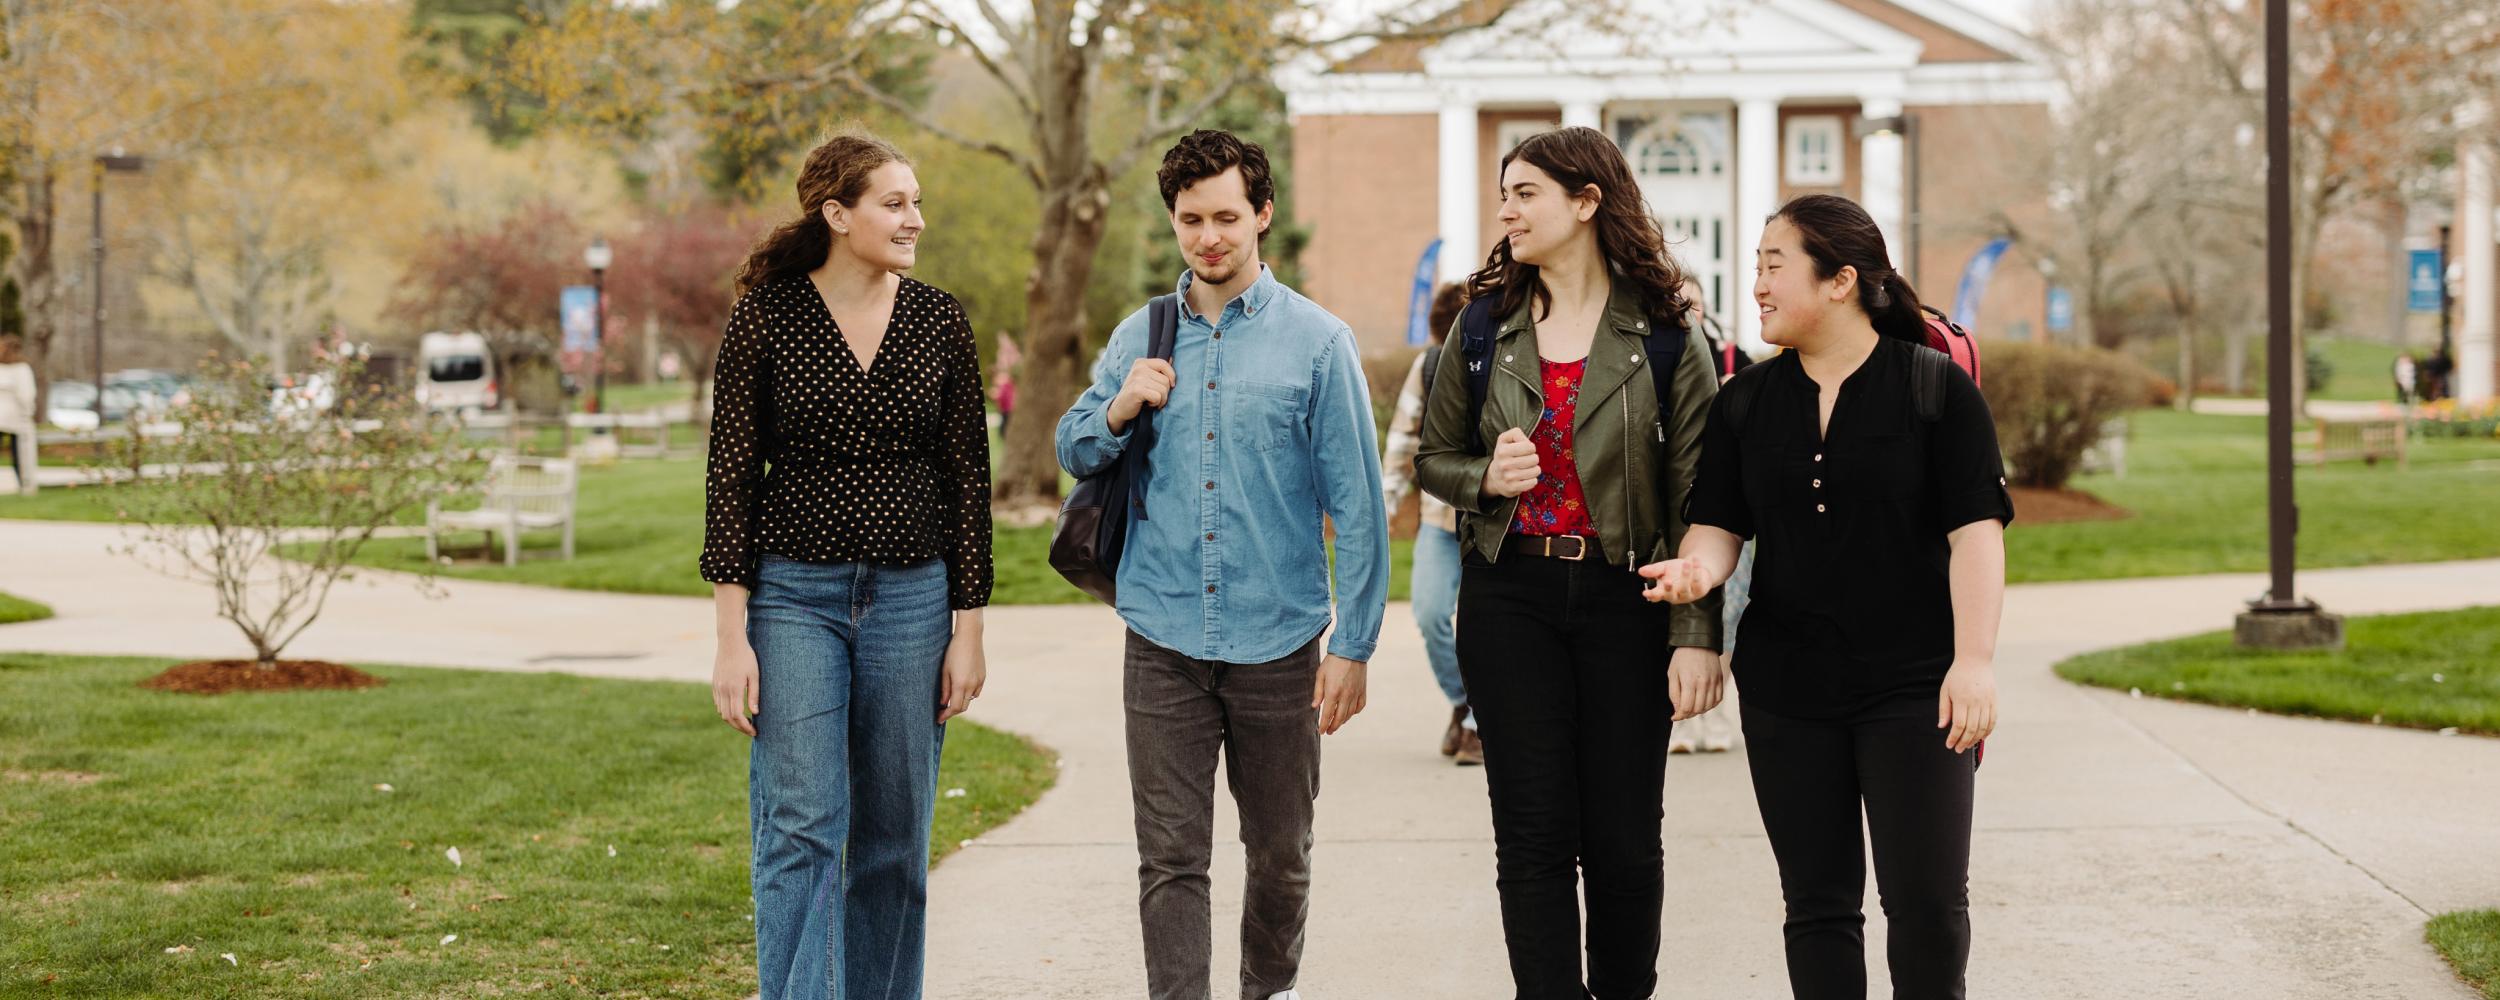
817, 460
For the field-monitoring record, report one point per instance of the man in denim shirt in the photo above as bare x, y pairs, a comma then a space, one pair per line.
1265, 424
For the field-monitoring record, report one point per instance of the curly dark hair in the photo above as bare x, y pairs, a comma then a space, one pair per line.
836, 170
1208, 152
1836, 233
1579, 158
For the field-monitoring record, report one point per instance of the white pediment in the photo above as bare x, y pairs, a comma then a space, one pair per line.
1693, 34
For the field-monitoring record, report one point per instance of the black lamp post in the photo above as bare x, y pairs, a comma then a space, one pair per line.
599, 255
116, 162
2282, 619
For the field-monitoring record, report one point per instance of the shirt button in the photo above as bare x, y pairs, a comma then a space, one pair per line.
1210, 385
1219, 334
1210, 536
1818, 458
1818, 484
1210, 435
1818, 508
1210, 588
1210, 485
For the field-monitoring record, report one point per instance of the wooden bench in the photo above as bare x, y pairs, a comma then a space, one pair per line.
522, 493
652, 429
2367, 440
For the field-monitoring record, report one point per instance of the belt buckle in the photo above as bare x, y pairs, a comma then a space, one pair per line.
1577, 553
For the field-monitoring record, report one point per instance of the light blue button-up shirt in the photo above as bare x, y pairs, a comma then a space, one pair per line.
1269, 426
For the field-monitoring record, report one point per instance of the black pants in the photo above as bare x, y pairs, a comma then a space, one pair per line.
1181, 713
1566, 667
1810, 778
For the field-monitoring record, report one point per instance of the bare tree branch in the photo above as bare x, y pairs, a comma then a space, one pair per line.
1024, 164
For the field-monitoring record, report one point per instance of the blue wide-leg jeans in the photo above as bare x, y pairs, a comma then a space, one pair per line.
1434, 591
842, 783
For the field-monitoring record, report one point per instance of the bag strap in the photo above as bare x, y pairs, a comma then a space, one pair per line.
1927, 374
1432, 370
1475, 344
1663, 359
1163, 324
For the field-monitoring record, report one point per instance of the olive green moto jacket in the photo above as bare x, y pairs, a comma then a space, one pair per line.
1616, 441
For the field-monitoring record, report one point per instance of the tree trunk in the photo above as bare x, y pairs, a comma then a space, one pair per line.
37, 283
1074, 216
2185, 400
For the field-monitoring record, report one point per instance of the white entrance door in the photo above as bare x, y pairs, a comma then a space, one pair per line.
1680, 158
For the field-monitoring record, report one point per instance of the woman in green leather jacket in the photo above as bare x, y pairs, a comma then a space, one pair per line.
1567, 481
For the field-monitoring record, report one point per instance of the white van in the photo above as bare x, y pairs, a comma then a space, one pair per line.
455, 372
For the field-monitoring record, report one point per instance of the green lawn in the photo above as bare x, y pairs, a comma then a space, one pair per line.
2471, 941
597, 820
2432, 670
15, 609
2364, 369
2197, 484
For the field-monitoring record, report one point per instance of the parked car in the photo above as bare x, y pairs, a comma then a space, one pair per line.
73, 404
455, 372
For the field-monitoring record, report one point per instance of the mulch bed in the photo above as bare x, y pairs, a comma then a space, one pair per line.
2033, 505
222, 676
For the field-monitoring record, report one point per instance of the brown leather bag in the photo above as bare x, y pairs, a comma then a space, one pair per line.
1093, 523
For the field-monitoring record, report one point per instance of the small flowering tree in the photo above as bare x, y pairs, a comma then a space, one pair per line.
273, 482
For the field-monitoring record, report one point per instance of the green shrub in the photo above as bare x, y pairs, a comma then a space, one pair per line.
2050, 401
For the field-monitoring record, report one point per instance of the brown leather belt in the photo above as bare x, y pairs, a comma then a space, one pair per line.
1571, 547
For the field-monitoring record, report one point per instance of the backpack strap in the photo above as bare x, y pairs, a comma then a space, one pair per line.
1927, 374
1432, 370
1475, 346
1163, 324
1666, 351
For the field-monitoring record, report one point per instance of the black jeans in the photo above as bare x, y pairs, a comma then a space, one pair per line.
1181, 712
1566, 667
1810, 778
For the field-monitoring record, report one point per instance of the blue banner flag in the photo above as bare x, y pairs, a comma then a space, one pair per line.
1975, 275
1419, 302
2061, 309
2424, 273
578, 309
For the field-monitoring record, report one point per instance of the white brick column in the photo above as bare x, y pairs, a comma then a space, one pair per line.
1462, 248
1880, 179
2474, 225
1757, 196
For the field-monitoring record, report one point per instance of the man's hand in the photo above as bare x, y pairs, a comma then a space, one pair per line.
1695, 682
1514, 468
1967, 704
1680, 581
1339, 691
1149, 384
734, 684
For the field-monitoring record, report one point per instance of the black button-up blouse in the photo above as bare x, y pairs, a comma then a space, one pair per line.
814, 459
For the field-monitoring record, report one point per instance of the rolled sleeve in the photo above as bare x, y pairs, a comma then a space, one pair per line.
1084, 440
1966, 472
1718, 495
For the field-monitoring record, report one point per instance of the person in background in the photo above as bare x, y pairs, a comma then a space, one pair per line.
1003, 380
17, 414
1434, 584
847, 538
2404, 372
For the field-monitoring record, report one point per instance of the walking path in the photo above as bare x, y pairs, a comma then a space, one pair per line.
2125, 847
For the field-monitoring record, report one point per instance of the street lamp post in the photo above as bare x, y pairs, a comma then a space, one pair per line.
599, 255
116, 162
2282, 619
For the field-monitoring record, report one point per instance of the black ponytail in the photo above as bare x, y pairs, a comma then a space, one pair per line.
1836, 233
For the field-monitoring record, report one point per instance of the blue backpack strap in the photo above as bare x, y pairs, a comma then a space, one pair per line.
1163, 324
1475, 346
1666, 351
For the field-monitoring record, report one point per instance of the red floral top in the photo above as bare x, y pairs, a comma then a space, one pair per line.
1555, 505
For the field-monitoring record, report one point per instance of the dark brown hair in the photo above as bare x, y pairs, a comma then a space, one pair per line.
1836, 233
1446, 304
1208, 153
1578, 158
836, 170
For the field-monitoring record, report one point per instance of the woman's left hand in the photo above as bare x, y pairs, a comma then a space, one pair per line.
965, 670
1695, 682
1967, 704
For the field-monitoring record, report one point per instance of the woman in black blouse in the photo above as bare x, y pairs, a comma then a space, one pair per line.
847, 538
1879, 509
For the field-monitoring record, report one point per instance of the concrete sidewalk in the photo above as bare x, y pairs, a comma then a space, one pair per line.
2125, 847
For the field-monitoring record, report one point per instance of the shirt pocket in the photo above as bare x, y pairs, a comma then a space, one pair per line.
1265, 415
1882, 467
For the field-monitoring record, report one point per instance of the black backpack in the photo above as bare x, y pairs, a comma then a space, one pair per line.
1093, 523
